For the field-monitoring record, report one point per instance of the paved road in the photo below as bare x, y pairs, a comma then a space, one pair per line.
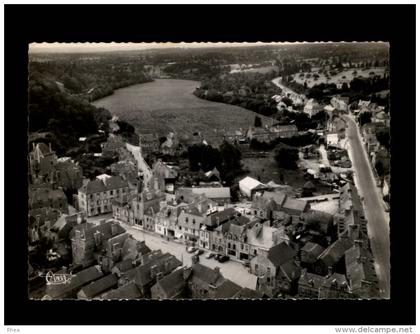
378, 219
232, 270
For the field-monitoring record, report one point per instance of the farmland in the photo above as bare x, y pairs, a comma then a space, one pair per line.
169, 105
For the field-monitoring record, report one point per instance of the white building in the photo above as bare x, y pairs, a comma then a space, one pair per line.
249, 185
312, 107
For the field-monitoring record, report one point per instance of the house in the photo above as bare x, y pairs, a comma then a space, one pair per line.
381, 117
284, 131
164, 176
206, 283
248, 186
145, 206
310, 253
149, 143
277, 271
361, 273
220, 195
338, 125
127, 291
309, 285
166, 219
42, 160
369, 136
335, 286
48, 198
246, 293
260, 134
98, 287
312, 107
96, 197
272, 204
77, 281
330, 111
170, 286
213, 175
386, 185
171, 145
332, 255
146, 275
340, 103
332, 139
87, 241
190, 221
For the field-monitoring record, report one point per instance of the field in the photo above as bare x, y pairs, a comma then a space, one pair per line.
169, 105
341, 77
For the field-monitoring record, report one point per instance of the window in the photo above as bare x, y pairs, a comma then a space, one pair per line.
186, 219
255, 252
112, 192
256, 267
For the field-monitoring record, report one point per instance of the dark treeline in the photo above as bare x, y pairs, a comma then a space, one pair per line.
226, 158
92, 77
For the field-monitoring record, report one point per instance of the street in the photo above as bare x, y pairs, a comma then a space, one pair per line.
378, 219
232, 270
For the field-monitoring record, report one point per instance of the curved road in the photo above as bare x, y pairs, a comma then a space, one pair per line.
378, 219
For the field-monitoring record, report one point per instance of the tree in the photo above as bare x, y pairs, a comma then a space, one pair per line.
365, 117
286, 156
257, 122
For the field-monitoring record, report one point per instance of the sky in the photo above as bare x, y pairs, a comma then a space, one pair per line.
98, 47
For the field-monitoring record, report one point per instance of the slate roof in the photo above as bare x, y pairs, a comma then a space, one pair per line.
313, 280
172, 283
359, 266
127, 291
88, 230
213, 192
111, 183
227, 289
220, 217
332, 254
314, 249
295, 204
206, 274
246, 293
101, 285
280, 254
77, 281
143, 273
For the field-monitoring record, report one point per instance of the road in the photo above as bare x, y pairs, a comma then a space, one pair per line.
232, 270
378, 219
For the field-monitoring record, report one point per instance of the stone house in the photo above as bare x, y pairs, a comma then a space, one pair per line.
277, 271
96, 197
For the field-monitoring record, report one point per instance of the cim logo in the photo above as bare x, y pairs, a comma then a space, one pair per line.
56, 279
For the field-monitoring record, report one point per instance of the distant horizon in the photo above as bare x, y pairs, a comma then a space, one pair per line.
79, 47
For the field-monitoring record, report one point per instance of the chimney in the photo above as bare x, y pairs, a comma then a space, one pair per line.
153, 271
330, 271
186, 272
114, 228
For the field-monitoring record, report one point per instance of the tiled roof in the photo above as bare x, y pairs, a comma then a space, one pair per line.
313, 280
220, 217
88, 230
127, 291
280, 254
99, 286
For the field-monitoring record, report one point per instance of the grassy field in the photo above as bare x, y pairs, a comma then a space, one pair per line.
341, 77
169, 105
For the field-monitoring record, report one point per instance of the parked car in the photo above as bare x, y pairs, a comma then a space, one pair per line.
191, 249
199, 252
247, 263
209, 255
223, 258
195, 258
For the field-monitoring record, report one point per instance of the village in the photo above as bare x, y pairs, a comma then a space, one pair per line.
152, 228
